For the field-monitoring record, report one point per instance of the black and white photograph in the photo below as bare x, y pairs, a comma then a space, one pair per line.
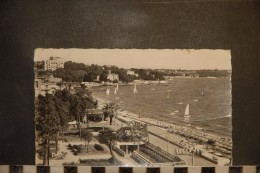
133, 107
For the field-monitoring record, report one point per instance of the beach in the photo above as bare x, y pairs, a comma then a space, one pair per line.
183, 139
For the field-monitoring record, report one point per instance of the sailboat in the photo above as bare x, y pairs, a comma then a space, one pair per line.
187, 111
115, 92
202, 93
135, 90
168, 95
117, 87
108, 91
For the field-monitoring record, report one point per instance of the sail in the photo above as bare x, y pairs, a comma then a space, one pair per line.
108, 91
115, 92
187, 110
135, 90
117, 87
168, 96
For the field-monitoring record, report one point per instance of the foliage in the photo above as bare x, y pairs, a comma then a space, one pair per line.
87, 136
69, 75
61, 100
47, 121
110, 110
103, 76
46, 116
78, 72
69, 65
109, 136
79, 103
39, 65
53, 112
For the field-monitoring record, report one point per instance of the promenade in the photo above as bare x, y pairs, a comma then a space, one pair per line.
180, 140
177, 145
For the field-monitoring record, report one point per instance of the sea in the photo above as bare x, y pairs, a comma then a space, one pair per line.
208, 99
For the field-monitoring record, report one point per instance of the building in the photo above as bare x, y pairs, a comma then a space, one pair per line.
41, 87
53, 63
51, 79
112, 76
131, 72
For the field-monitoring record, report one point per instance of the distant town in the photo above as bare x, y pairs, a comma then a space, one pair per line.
55, 70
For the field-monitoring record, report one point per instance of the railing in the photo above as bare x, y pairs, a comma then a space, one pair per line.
161, 152
121, 152
142, 158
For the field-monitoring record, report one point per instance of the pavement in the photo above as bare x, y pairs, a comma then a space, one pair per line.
70, 157
177, 144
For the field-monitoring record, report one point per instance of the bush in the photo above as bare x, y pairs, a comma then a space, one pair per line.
77, 147
98, 147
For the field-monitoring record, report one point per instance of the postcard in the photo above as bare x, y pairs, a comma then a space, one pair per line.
133, 107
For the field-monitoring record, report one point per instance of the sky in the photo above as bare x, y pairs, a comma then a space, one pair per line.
143, 58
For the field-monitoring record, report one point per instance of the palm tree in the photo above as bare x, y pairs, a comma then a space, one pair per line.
110, 110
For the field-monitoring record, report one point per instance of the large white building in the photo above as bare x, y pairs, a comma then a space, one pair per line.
112, 76
53, 63
131, 72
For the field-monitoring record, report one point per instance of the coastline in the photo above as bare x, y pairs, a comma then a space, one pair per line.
189, 139
165, 125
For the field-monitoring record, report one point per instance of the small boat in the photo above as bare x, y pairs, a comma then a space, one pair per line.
195, 100
108, 91
187, 111
168, 95
115, 92
202, 93
180, 103
152, 89
135, 90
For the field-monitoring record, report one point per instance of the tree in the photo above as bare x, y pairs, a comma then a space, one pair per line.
79, 104
87, 136
103, 76
48, 122
111, 136
110, 110
53, 112
61, 103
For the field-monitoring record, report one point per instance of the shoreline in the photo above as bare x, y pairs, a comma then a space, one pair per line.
215, 148
163, 124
